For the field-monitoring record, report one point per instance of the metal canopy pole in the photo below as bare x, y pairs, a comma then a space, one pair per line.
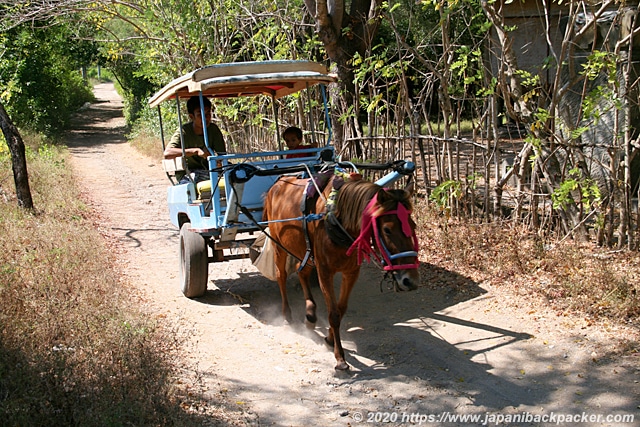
275, 115
326, 113
204, 122
161, 128
314, 138
184, 154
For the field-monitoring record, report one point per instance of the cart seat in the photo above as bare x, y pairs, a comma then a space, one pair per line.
204, 189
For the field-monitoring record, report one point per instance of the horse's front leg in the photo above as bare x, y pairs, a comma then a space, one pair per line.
346, 286
336, 310
310, 304
348, 282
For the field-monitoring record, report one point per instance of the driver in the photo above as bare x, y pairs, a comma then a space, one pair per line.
196, 151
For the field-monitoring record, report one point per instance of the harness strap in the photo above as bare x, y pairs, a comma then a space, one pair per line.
307, 254
336, 231
247, 212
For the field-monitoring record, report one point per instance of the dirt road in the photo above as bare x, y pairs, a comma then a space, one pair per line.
452, 348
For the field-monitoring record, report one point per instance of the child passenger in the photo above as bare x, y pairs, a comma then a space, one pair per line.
293, 138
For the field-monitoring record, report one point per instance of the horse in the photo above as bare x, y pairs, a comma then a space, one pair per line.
350, 219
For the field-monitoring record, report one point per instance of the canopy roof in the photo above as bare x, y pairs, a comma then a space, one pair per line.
273, 78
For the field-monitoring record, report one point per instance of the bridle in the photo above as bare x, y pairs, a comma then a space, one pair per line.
388, 258
370, 230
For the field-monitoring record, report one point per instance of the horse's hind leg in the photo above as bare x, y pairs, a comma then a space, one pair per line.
346, 286
286, 310
280, 258
310, 304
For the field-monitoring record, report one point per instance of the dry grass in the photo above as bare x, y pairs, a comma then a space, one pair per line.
568, 277
73, 350
148, 145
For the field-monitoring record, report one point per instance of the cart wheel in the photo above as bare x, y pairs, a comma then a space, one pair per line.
194, 265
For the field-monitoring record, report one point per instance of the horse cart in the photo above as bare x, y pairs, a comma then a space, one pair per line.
219, 219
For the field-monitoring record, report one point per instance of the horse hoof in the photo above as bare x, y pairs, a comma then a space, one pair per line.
311, 319
342, 366
328, 342
310, 325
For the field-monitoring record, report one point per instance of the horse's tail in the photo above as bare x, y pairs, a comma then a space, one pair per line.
266, 206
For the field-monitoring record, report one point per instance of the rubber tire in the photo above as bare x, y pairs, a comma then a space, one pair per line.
194, 264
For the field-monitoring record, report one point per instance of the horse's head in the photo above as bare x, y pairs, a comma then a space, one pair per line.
395, 237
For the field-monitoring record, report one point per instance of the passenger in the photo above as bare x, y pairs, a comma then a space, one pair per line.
196, 151
293, 138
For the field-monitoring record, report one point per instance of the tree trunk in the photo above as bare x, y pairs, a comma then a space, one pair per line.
510, 85
344, 34
18, 160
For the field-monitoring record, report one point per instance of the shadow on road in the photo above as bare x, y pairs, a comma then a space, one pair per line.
94, 125
428, 354
397, 336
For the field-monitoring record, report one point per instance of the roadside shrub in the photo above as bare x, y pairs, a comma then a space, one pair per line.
145, 133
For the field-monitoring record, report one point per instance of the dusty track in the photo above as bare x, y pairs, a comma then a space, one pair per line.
452, 347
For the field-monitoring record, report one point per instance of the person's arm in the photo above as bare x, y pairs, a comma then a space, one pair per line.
173, 152
174, 149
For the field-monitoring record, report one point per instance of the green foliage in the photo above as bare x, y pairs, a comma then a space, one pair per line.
40, 81
443, 193
490, 89
49, 154
377, 70
527, 78
540, 119
147, 122
601, 66
575, 134
599, 63
152, 45
587, 189
135, 88
455, 56
99, 74
350, 112
596, 100
467, 70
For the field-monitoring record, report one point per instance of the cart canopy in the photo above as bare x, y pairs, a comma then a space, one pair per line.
272, 78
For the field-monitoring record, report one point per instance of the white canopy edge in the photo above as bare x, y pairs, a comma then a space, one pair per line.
274, 78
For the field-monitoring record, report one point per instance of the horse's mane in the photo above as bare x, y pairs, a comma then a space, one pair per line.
354, 196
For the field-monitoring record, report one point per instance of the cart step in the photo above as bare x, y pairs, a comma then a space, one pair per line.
228, 234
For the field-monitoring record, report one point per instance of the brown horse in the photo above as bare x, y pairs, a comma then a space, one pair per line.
367, 213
